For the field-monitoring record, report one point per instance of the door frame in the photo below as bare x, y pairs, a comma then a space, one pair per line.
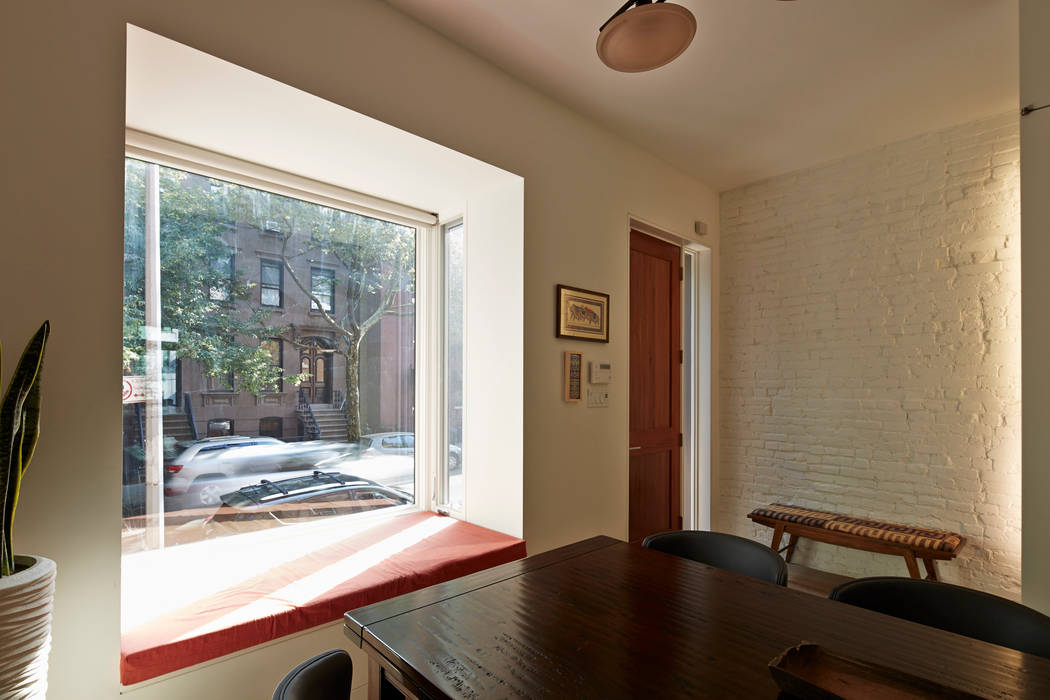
317, 347
696, 416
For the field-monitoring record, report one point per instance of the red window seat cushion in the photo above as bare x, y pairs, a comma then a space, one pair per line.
403, 555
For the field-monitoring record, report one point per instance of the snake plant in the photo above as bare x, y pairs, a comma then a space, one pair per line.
19, 430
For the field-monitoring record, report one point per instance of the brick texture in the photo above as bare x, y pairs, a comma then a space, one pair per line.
870, 345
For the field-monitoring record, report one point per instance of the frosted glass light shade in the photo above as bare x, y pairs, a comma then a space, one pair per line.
646, 37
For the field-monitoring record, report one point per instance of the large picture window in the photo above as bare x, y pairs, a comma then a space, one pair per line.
312, 238
250, 438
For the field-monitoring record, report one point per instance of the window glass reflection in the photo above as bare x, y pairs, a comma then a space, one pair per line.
235, 431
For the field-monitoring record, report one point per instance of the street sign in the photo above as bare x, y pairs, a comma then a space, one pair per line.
134, 389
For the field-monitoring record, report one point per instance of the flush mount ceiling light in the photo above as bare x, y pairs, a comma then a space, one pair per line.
644, 35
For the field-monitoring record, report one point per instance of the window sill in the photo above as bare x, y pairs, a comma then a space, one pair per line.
241, 602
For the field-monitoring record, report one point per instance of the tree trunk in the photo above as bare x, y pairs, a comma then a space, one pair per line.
353, 390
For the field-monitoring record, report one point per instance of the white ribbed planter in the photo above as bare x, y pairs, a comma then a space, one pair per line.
25, 628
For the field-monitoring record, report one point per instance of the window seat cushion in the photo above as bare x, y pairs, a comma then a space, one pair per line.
399, 556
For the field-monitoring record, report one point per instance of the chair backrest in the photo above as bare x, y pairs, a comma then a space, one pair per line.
953, 608
725, 551
326, 676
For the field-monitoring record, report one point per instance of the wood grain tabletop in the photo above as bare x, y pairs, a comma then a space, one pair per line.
603, 618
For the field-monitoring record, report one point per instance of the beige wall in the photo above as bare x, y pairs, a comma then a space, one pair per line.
1035, 222
63, 120
870, 333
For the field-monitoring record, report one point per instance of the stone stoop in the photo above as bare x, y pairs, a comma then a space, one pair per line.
331, 421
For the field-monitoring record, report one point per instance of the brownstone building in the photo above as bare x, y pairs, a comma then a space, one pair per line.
197, 405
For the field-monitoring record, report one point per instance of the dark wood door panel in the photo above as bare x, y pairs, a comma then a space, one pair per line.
650, 342
655, 386
651, 508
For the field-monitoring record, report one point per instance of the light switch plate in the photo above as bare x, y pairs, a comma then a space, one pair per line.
598, 398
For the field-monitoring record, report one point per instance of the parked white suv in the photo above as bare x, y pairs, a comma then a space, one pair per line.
201, 480
214, 444
180, 473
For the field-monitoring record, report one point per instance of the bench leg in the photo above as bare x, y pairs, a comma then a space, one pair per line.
792, 541
778, 534
913, 566
931, 569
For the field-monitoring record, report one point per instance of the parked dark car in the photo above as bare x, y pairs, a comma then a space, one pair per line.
299, 499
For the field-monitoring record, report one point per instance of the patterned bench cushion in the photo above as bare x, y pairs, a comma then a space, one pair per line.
795, 514
905, 535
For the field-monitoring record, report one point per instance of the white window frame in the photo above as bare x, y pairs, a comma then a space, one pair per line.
430, 441
441, 499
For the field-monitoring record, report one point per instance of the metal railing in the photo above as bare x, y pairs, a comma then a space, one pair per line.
189, 414
306, 416
142, 429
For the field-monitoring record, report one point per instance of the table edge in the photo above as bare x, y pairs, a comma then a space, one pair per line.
356, 621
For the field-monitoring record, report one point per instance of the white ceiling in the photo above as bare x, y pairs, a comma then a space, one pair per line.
766, 87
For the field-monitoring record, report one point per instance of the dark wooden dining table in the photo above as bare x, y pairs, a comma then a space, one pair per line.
607, 619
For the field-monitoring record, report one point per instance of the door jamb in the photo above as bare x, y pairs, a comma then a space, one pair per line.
695, 461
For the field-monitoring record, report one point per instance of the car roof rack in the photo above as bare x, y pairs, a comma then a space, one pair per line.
331, 476
273, 486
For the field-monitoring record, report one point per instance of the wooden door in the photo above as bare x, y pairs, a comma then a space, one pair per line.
656, 387
316, 360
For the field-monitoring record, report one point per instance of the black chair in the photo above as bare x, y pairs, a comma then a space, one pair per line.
953, 608
729, 552
326, 676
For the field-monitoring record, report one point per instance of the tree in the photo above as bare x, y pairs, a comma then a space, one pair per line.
374, 261
202, 297
210, 305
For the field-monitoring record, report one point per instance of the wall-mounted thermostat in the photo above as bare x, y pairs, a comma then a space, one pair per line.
601, 372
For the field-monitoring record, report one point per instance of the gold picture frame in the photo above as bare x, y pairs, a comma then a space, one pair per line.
581, 314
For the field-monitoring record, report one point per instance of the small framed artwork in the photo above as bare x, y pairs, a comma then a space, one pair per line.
573, 376
582, 314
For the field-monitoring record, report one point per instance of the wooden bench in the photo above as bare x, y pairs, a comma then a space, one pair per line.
912, 543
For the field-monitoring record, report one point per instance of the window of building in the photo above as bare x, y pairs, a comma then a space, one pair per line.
271, 427
219, 382
271, 283
274, 347
217, 427
322, 286
222, 278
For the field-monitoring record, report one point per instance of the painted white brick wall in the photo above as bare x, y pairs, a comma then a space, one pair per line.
870, 348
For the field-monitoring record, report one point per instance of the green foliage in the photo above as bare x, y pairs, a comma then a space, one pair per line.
376, 274
202, 298
209, 304
375, 258
19, 431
